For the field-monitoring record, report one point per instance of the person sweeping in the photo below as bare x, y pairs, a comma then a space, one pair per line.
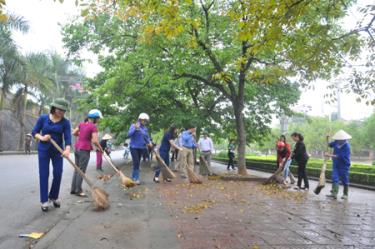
106, 149
206, 148
187, 154
53, 125
340, 162
87, 133
231, 154
166, 143
284, 157
139, 140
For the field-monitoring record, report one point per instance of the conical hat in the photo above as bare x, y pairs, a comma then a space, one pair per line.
107, 137
341, 135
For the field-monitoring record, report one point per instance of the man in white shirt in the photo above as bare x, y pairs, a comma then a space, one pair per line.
206, 147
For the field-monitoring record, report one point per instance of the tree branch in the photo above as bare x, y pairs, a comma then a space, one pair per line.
207, 82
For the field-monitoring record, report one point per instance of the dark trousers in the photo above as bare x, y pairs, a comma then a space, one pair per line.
82, 158
174, 155
145, 154
165, 156
57, 163
136, 157
230, 161
302, 174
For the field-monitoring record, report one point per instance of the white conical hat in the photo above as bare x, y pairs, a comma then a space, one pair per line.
341, 135
107, 137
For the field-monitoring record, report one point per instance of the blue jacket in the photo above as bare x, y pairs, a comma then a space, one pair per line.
60, 132
342, 153
138, 138
188, 140
165, 146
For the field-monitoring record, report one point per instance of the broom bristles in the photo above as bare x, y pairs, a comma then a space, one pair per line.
126, 181
100, 198
193, 178
318, 189
167, 172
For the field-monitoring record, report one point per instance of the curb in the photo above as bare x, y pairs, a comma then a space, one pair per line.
238, 178
7, 153
241, 178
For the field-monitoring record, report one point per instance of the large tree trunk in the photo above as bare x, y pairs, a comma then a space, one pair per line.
241, 138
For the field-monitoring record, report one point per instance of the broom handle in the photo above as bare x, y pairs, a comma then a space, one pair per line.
109, 160
72, 163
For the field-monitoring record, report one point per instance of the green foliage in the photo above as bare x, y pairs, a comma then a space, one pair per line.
312, 163
224, 65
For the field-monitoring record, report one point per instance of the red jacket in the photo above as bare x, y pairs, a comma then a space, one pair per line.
285, 153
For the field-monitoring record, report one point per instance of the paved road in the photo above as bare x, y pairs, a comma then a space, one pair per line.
356, 195
20, 212
137, 218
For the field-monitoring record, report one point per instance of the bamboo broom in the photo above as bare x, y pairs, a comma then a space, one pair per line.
193, 178
99, 196
322, 177
203, 166
125, 181
165, 170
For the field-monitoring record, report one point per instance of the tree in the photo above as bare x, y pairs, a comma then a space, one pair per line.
136, 78
10, 60
231, 47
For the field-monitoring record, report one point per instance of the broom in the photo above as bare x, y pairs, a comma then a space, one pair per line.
203, 167
322, 177
125, 181
165, 170
99, 196
193, 178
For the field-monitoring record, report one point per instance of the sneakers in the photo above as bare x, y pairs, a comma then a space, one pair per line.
44, 206
138, 182
156, 179
56, 203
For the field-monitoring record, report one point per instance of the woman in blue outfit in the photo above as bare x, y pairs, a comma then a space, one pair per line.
139, 140
53, 125
165, 146
341, 162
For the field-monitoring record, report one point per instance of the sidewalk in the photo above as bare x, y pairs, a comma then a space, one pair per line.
136, 219
215, 214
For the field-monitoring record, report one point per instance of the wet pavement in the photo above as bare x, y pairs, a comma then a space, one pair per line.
220, 214
215, 214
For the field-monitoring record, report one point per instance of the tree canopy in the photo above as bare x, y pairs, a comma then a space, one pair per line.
245, 59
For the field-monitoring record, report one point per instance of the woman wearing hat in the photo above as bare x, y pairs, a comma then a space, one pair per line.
139, 140
87, 133
53, 125
341, 162
105, 148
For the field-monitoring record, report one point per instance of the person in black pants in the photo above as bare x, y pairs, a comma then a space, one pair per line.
231, 155
301, 157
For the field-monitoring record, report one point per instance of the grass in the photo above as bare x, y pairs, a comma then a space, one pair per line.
313, 163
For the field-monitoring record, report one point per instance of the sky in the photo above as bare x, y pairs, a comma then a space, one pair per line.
46, 17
